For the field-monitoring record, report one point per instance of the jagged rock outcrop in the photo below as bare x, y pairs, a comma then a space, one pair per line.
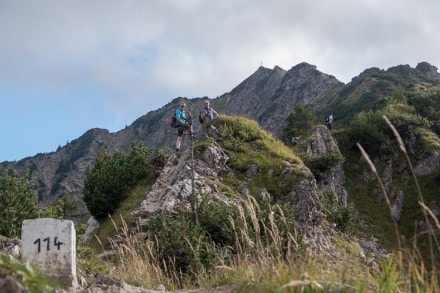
174, 189
92, 227
62, 173
174, 186
430, 71
269, 96
12, 247
321, 143
252, 96
388, 175
305, 198
397, 206
395, 168
428, 164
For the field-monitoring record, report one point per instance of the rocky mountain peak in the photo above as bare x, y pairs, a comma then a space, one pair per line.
430, 71
277, 68
303, 67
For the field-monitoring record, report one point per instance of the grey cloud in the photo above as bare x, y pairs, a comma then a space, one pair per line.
136, 50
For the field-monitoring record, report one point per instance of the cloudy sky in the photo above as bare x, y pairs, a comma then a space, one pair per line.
68, 66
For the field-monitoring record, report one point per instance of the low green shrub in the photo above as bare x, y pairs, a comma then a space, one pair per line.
26, 275
223, 231
342, 216
18, 201
109, 182
299, 123
319, 165
370, 130
182, 245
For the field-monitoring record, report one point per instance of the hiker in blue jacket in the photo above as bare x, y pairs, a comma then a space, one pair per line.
183, 121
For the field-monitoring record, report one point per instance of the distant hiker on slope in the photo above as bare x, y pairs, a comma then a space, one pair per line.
295, 140
183, 121
207, 114
329, 121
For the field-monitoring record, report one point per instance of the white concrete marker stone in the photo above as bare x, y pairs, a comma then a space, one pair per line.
50, 246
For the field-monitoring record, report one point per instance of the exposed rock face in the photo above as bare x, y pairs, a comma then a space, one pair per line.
13, 247
397, 169
397, 207
428, 164
305, 198
428, 70
387, 174
323, 143
174, 187
63, 172
92, 227
252, 96
269, 96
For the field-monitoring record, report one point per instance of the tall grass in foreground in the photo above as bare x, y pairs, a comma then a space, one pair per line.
265, 257
406, 269
136, 259
273, 260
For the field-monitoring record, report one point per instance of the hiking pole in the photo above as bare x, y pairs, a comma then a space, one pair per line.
194, 198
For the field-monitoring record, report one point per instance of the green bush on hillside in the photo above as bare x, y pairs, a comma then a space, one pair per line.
238, 130
321, 164
299, 123
215, 220
18, 201
57, 209
182, 246
405, 119
251, 148
113, 176
342, 216
429, 107
429, 141
370, 130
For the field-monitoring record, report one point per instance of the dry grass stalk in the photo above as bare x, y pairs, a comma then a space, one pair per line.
421, 200
374, 170
429, 211
267, 247
137, 258
403, 149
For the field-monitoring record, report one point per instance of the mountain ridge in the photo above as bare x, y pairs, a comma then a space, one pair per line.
267, 96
